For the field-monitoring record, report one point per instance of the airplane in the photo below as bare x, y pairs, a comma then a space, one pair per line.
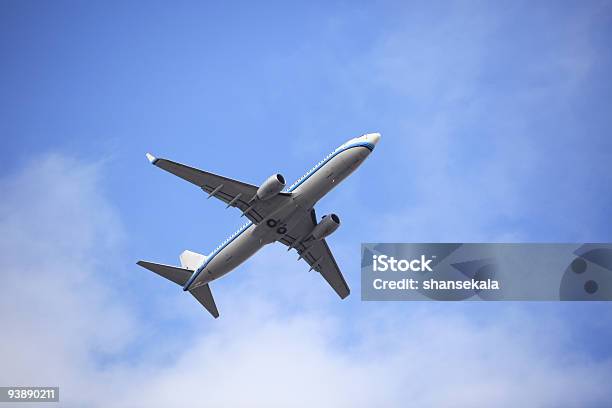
275, 215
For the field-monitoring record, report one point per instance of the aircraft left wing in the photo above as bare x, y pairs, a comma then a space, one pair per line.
232, 192
316, 253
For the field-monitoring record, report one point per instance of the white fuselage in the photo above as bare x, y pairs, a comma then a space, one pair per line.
305, 193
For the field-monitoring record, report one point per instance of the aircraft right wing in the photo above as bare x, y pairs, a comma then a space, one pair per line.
316, 253
232, 192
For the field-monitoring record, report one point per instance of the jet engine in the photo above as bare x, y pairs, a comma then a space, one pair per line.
326, 226
271, 187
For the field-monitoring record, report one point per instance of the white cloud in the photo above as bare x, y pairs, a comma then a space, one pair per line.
60, 313
56, 231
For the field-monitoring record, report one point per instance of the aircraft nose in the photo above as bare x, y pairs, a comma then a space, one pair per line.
373, 138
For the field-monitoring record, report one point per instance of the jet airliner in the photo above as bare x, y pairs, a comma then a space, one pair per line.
275, 214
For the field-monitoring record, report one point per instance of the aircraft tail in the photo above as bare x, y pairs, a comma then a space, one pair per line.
190, 261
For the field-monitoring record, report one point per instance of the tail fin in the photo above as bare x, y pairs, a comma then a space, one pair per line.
204, 296
191, 260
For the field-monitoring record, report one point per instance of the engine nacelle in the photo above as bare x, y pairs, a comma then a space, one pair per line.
271, 187
328, 224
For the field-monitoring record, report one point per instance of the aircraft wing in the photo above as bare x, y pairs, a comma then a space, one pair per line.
232, 192
317, 254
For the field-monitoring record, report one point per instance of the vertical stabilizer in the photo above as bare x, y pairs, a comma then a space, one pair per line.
191, 260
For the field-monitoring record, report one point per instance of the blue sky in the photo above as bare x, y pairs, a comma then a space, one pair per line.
495, 121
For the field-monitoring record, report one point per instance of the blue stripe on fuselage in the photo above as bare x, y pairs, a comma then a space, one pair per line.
369, 146
212, 255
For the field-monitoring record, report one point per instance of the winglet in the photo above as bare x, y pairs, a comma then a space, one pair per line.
151, 158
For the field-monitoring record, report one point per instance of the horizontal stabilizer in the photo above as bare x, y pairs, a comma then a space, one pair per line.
204, 296
180, 276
